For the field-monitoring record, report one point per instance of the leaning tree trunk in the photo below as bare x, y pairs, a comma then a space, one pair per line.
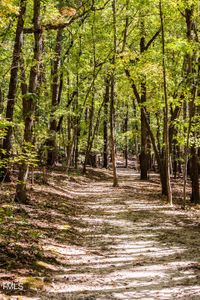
143, 153
29, 106
144, 156
4, 173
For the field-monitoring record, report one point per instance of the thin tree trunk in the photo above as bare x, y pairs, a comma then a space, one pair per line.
112, 101
92, 107
126, 121
77, 128
1, 101
144, 157
56, 95
151, 135
91, 116
94, 131
166, 116
105, 122
125, 33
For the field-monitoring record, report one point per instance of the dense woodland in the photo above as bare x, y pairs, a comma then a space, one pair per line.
99, 149
85, 81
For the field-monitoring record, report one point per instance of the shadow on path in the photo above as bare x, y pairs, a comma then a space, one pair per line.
105, 243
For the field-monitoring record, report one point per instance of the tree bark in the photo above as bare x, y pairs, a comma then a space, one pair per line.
90, 127
126, 123
144, 157
56, 89
166, 115
194, 175
105, 122
29, 106
92, 107
7, 142
190, 108
1, 101
112, 101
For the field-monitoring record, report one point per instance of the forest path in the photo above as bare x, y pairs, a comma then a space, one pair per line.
98, 242
134, 247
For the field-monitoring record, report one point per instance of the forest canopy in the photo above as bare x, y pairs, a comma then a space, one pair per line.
88, 79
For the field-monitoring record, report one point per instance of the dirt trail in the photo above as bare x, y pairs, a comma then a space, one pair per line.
134, 247
131, 246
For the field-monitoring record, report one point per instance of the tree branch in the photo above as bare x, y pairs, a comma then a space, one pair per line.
133, 85
51, 26
143, 111
152, 39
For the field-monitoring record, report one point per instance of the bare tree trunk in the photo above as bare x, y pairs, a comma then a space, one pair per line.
112, 101
92, 107
191, 82
105, 122
29, 106
91, 116
95, 130
166, 116
1, 101
194, 174
76, 129
51, 142
69, 143
4, 173
126, 121
144, 157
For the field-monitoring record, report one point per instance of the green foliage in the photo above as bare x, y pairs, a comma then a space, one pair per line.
3, 127
6, 213
8, 7
26, 154
87, 52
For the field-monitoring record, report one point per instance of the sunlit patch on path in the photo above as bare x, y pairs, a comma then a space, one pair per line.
129, 246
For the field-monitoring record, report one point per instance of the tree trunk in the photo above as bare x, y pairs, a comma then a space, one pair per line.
69, 143
92, 107
92, 137
1, 101
51, 142
158, 155
112, 101
190, 108
194, 174
29, 106
4, 173
126, 120
166, 115
91, 116
144, 157
105, 122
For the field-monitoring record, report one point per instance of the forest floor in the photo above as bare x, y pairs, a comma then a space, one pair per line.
80, 238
